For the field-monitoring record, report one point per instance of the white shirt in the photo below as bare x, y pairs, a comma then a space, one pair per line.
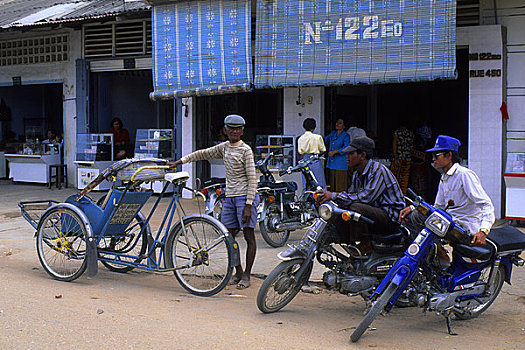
471, 207
310, 143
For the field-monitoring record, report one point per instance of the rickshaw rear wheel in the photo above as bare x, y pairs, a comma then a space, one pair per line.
200, 254
61, 244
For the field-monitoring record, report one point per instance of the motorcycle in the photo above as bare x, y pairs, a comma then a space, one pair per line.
465, 289
213, 189
348, 271
279, 211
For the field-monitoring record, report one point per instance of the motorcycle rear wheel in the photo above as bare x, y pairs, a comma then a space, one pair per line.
274, 239
374, 311
280, 287
477, 306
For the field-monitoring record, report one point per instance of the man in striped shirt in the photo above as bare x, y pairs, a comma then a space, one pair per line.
374, 193
240, 206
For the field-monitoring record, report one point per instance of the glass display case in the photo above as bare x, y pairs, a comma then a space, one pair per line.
95, 147
30, 161
515, 163
283, 148
515, 186
154, 143
94, 154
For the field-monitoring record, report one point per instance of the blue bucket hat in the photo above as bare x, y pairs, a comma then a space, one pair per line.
444, 142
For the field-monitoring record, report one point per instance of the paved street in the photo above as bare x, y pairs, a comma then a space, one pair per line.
144, 310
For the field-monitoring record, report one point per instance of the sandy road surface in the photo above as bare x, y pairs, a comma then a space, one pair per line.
141, 310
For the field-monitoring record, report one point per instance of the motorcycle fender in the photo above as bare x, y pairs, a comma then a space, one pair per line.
262, 212
235, 257
91, 241
400, 275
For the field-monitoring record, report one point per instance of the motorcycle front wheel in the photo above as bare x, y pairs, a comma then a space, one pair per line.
281, 286
374, 311
274, 238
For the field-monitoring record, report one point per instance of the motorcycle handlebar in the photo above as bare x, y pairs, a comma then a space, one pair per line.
411, 194
301, 164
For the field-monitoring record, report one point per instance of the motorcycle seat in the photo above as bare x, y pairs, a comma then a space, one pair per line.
481, 253
288, 186
212, 181
507, 238
394, 237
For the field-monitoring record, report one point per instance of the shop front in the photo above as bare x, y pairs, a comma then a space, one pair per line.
33, 132
121, 122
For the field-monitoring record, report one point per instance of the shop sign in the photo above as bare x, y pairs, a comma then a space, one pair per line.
330, 42
201, 48
487, 72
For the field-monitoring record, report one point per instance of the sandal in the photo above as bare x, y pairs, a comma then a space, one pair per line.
243, 284
234, 280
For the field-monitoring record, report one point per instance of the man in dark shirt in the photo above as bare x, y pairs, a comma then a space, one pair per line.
374, 192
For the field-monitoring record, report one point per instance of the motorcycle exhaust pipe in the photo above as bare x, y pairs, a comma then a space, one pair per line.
290, 226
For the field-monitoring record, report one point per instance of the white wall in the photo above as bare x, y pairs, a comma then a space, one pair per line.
311, 106
47, 72
511, 15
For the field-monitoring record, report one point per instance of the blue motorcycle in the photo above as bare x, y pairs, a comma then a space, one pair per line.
465, 289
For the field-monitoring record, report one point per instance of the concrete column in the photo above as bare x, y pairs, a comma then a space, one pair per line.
486, 94
188, 140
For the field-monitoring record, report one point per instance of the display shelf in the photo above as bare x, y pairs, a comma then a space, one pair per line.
94, 147
154, 143
515, 186
282, 147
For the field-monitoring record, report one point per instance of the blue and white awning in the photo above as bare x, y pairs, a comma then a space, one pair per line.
332, 42
201, 47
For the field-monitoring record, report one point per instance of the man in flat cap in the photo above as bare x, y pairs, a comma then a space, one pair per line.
459, 192
374, 192
240, 206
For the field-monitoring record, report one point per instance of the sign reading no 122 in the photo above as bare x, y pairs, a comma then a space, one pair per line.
353, 28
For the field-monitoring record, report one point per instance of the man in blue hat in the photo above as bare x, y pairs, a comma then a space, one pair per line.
240, 206
459, 192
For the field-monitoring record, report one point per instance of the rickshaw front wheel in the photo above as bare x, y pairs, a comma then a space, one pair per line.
61, 244
200, 254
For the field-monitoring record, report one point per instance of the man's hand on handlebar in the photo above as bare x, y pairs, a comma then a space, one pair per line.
404, 213
174, 164
323, 196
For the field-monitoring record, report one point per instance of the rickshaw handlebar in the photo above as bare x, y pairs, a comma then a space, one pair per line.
148, 168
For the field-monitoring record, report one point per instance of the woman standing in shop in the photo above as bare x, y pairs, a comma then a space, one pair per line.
337, 140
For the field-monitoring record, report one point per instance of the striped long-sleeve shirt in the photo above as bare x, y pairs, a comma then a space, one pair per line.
239, 164
377, 187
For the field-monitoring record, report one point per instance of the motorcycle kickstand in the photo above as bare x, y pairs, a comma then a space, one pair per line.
448, 327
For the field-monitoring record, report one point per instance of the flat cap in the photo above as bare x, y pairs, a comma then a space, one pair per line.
362, 143
234, 120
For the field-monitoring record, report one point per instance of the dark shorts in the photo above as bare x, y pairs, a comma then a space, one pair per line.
232, 210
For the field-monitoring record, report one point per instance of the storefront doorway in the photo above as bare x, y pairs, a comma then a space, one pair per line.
443, 106
262, 110
124, 95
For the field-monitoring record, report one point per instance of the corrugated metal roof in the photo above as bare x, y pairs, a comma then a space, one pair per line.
19, 13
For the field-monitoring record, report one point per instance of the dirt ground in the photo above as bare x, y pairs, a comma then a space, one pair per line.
141, 310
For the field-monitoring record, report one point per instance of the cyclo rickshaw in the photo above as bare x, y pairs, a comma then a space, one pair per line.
71, 237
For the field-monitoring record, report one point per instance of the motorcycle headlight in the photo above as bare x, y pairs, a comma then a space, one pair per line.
438, 224
325, 211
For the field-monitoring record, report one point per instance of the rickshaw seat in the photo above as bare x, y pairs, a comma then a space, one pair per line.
178, 176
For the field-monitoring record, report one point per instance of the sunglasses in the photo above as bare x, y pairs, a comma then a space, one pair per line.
435, 155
